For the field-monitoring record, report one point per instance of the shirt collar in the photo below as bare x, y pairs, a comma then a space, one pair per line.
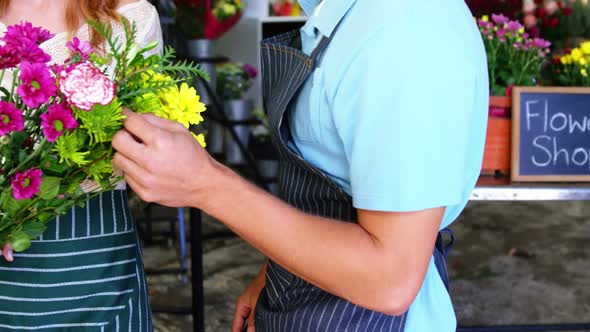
331, 13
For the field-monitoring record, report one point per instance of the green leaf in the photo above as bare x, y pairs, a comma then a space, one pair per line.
34, 229
13, 206
44, 217
20, 241
49, 187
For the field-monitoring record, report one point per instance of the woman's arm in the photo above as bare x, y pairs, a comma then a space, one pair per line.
379, 263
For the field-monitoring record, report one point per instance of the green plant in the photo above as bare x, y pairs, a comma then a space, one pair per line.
234, 79
513, 57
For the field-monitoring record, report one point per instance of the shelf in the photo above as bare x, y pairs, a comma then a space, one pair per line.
502, 190
283, 19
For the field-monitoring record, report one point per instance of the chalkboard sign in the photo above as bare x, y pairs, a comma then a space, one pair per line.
551, 134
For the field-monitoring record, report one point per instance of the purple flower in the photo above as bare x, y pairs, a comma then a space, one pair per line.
8, 58
11, 118
37, 85
500, 33
28, 51
499, 19
541, 43
26, 185
525, 35
83, 49
250, 70
57, 119
26, 31
514, 26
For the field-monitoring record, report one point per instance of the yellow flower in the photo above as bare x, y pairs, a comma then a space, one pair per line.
200, 138
181, 105
576, 54
583, 62
566, 60
584, 72
485, 18
585, 46
521, 31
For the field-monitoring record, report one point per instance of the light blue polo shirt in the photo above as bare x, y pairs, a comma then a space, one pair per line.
396, 114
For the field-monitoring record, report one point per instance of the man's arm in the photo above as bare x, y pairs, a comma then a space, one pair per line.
379, 263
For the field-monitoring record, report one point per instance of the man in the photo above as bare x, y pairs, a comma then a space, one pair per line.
379, 121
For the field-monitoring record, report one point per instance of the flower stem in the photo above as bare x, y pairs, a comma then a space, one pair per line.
29, 158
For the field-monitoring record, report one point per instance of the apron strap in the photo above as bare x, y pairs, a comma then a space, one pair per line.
319, 49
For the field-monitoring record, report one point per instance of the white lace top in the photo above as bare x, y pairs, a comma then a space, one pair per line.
145, 17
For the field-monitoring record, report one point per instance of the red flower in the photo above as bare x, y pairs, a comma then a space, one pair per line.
567, 11
554, 22
560, 4
545, 22
557, 60
539, 2
542, 12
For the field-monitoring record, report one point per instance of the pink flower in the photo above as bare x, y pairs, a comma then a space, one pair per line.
57, 119
11, 118
541, 43
514, 26
84, 85
250, 70
37, 84
8, 58
529, 6
499, 19
82, 49
501, 33
26, 31
551, 7
28, 51
26, 185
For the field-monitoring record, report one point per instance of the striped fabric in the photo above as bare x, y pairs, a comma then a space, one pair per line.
84, 274
288, 303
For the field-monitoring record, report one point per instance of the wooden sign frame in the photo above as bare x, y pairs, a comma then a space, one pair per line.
516, 111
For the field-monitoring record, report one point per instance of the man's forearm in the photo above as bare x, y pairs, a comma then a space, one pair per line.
341, 258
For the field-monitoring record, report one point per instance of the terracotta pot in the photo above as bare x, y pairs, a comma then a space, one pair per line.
497, 150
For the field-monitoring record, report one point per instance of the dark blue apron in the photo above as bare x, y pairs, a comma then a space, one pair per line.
288, 303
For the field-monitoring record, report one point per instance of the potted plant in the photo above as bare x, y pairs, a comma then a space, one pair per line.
514, 59
201, 22
574, 67
234, 79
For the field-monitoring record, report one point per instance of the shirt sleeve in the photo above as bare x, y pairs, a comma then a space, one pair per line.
148, 25
403, 114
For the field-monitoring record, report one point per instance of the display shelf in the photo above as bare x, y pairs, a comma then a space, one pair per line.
283, 19
504, 190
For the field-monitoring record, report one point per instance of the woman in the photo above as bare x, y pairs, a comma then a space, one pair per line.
85, 273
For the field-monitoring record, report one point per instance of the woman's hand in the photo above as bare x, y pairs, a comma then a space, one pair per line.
246, 304
7, 252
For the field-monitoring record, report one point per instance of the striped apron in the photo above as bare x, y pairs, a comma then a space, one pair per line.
288, 303
84, 274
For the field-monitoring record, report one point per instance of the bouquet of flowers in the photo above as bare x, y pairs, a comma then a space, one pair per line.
285, 7
513, 57
549, 20
207, 19
574, 67
234, 79
57, 122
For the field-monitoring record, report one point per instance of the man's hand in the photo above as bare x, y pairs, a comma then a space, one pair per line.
162, 161
246, 304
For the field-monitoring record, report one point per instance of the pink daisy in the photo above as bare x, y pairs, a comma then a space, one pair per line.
26, 185
37, 84
57, 119
11, 118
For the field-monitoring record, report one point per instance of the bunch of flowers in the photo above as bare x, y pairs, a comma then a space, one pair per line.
575, 67
57, 122
234, 79
208, 19
548, 20
514, 58
285, 7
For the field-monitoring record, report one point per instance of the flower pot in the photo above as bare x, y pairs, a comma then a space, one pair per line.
237, 110
497, 157
201, 51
